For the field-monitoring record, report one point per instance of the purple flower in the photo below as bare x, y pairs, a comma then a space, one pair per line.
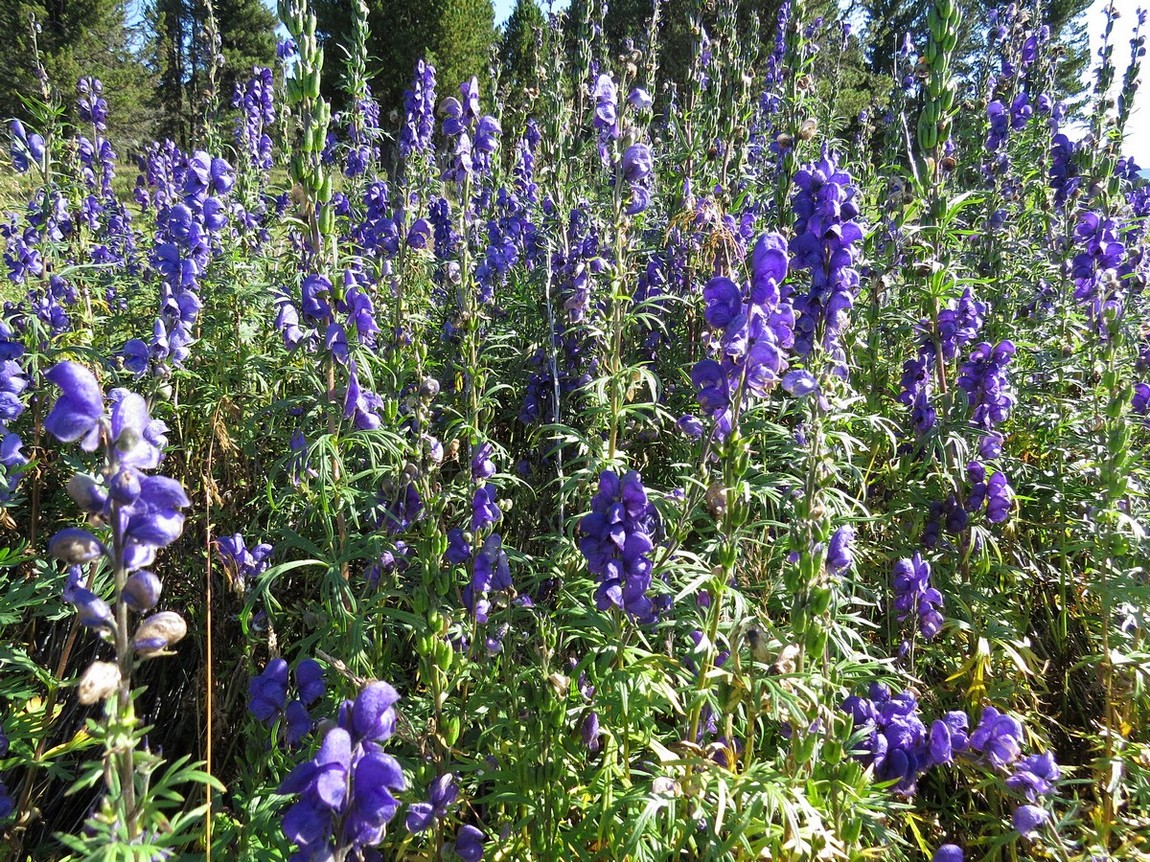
267, 692
1140, 401
77, 412
309, 680
915, 595
590, 731
1034, 776
1028, 819
484, 510
948, 853
800, 383
469, 844
998, 738
349, 783
441, 796
947, 736
999, 498
482, 467
724, 302
616, 541
840, 555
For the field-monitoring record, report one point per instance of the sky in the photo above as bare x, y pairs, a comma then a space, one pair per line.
1137, 141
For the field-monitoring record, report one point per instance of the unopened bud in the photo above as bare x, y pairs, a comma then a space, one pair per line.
87, 493
75, 546
99, 680
141, 591
428, 388
158, 632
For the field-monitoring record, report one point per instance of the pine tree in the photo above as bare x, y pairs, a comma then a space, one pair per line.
519, 55
247, 38
455, 35
76, 38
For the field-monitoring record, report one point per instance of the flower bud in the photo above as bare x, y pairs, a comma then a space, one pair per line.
158, 632
125, 487
93, 610
98, 682
87, 493
428, 388
75, 546
141, 591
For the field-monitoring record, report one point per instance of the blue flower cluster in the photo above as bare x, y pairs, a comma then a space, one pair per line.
143, 511
913, 594
896, 742
996, 494
617, 541
958, 324
476, 136
419, 112
983, 378
268, 692
13, 383
244, 564
1095, 268
826, 242
755, 326
257, 114
7, 803
346, 790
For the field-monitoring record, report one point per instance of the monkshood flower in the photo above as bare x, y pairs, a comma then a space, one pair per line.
441, 796
840, 554
1034, 776
1140, 399
896, 743
419, 108
983, 378
476, 137
997, 738
1028, 820
245, 564
26, 149
606, 119
345, 790
469, 844
256, 116
142, 511
267, 697
490, 572
826, 243
1094, 268
617, 541
755, 325
959, 323
589, 731
999, 498
401, 506
636, 167
1063, 173
999, 126
913, 594
948, 736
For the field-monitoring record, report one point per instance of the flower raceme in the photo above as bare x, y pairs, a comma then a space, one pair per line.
346, 790
617, 543
143, 511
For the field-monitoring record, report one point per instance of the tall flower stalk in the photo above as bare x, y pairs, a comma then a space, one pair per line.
140, 514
